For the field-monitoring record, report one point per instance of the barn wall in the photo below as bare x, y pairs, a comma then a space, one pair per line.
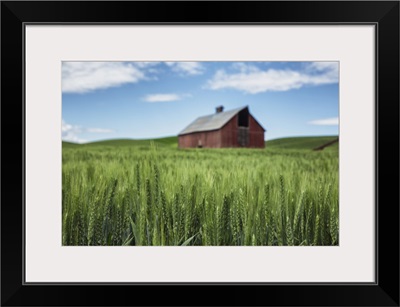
210, 139
256, 134
227, 136
229, 133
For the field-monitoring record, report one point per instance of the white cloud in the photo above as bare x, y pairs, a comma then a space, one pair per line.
72, 133
163, 97
145, 64
187, 68
149, 68
82, 77
329, 70
323, 66
334, 121
244, 67
251, 79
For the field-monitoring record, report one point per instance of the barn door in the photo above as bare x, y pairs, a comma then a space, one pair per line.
243, 136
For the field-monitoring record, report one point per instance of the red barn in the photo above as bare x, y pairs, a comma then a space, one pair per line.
233, 128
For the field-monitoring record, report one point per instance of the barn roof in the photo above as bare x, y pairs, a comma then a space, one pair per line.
211, 122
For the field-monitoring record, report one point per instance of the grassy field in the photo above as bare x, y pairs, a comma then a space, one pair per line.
149, 192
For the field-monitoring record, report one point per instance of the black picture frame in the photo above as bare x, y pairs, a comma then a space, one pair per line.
383, 14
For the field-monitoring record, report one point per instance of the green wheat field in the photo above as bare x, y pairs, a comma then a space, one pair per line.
149, 192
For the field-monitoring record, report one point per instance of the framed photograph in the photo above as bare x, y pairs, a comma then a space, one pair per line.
248, 147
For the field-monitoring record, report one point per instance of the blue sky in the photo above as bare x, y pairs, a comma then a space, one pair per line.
137, 100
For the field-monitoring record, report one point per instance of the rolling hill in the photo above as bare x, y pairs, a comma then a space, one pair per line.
307, 142
299, 143
167, 141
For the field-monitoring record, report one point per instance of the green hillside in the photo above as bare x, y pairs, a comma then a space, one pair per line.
302, 143
69, 145
167, 141
295, 143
